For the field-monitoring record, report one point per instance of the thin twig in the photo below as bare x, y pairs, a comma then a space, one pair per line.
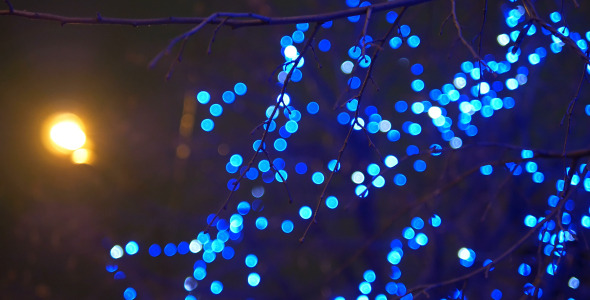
236, 20
570, 108
215, 34
463, 40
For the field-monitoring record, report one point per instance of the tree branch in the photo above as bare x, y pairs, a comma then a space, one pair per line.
235, 20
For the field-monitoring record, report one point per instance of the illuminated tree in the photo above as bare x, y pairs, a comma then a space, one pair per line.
401, 150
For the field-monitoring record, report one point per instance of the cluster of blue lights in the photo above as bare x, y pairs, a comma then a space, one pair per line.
449, 110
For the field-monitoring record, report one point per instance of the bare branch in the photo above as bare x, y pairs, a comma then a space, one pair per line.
463, 40
236, 20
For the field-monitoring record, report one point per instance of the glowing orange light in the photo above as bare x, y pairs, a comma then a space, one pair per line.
64, 134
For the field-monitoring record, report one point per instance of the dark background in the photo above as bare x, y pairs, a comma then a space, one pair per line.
59, 220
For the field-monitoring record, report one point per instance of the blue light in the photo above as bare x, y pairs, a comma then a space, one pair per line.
280, 144
324, 45
131, 248
261, 223
301, 168
317, 178
200, 273
399, 179
287, 226
243, 208
417, 223
216, 110
313, 108
555, 17
390, 161
395, 256
228, 97
170, 249
373, 169
361, 191
251, 260
155, 250
354, 19
524, 269
530, 221
286, 41
395, 42
486, 169
298, 36
365, 287
414, 129
401, 106
391, 288
216, 287
369, 276
435, 221
332, 203
207, 125
421, 239
117, 252
538, 177
417, 85
354, 52
419, 165
353, 3
393, 135
408, 233
354, 82
379, 181
417, 107
203, 97
404, 30
305, 212
417, 69
129, 293
413, 41
209, 256
253, 279
343, 118
391, 16
364, 61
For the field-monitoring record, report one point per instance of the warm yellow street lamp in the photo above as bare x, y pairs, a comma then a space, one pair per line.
64, 134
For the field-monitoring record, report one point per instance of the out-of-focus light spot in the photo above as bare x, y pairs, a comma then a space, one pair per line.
170, 249
555, 17
530, 221
129, 293
395, 42
313, 108
361, 191
404, 30
190, 283
390, 161
195, 246
524, 269
417, 223
261, 223
401, 106
434, 112
66, 133
251, 260
393, 135
417, 69
207, 125
357, 177
332, 202
240, 89
419, 165
391, 17
216, 287
435, 221
155, 250
287, 226
324, 45
253, 279
301, 168
203, 97
369, 276
417, 85
305, 212
455, 142
365, 287
346, 67
317, 178
290, 52
486, 170
399, 179
117, 252
585, 221
298, 36
354, 52
131, 248
413, 41
421, 239
573, 283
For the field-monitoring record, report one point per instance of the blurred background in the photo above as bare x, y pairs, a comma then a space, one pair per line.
153, 175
